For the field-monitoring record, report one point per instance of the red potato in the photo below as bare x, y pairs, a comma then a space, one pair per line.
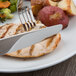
51, 15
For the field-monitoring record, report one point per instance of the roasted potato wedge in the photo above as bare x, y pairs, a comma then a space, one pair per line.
35, 2
68, 6
44, 2
50, 2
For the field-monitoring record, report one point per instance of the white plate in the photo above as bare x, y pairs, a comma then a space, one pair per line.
65, 50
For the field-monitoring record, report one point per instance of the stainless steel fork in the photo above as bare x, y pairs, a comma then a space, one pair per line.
25, 15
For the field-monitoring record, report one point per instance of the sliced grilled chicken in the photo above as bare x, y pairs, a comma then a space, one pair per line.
4, 29
39, 49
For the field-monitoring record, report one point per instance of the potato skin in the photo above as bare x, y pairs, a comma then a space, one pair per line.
51, 15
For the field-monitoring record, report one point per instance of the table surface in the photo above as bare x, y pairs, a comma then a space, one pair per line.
67, 68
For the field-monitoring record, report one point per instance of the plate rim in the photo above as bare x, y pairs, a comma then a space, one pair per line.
21, 70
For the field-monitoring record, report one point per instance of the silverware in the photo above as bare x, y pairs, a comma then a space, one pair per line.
26, 16
24, 40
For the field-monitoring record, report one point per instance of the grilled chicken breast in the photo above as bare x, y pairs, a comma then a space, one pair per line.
39, 49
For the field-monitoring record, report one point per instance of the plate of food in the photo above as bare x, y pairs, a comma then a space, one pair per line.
50, 51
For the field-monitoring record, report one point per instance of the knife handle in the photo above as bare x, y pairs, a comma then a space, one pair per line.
7, 43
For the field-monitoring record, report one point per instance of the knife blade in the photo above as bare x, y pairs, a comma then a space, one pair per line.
35, 37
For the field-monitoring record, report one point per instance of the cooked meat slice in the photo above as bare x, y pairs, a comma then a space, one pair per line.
4, 29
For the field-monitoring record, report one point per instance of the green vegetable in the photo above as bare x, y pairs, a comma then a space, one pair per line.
7, 12
13, 8
3, 0
13, 2
10, 16
2, 19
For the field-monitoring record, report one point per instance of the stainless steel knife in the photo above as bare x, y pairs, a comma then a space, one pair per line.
14, 43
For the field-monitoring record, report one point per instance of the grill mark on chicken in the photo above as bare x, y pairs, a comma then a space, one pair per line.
20, 29
49, 41
12, 31
4, 29
31, 50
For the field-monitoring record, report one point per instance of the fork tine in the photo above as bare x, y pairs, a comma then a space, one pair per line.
29, 18
32, 17
20, 12
26, 15
21, 21
26, 19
